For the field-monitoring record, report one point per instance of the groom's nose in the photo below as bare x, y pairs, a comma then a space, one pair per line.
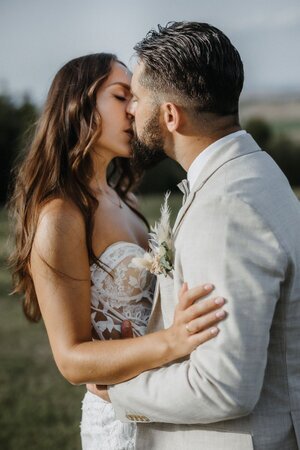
130, 109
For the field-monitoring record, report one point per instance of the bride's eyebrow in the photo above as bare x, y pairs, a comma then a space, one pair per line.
124, 85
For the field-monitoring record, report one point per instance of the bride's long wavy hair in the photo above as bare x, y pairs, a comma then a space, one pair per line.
58, 164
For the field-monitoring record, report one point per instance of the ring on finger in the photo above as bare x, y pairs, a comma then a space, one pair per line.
188, 329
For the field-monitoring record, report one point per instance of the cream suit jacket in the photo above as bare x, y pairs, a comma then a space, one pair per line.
240, 230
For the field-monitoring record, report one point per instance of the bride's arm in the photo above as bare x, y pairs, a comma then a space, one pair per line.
61, 275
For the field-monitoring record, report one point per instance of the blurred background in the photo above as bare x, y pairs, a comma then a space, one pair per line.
38, 408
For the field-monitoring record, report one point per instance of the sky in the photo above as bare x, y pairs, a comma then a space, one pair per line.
38, 36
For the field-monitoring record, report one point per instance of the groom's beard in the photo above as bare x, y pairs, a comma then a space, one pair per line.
148, 150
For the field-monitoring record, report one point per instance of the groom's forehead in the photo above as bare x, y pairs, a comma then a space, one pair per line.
137, 71
136, 74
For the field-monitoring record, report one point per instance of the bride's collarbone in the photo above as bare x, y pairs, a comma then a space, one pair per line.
111, 216
110, 228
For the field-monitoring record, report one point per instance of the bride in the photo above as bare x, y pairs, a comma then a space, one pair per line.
77, 230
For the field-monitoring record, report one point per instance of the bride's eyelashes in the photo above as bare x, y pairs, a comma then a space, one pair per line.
120, 97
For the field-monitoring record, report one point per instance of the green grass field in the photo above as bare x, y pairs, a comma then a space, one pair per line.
39, 410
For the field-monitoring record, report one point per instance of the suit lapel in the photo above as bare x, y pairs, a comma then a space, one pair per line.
240, 146
155, 304
184, 209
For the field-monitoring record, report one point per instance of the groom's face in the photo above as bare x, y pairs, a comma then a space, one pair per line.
148, 142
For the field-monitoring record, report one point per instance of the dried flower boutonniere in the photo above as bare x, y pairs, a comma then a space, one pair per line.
159, 259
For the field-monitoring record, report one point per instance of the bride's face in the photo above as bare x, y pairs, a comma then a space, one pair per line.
112, 101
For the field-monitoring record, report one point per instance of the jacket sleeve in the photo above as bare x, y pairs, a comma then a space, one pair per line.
229, 244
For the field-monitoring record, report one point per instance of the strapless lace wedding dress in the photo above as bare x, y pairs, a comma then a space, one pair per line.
123, 292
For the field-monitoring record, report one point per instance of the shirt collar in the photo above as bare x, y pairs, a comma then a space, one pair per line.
199, 162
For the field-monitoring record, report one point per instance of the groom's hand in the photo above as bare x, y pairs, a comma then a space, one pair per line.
99, 390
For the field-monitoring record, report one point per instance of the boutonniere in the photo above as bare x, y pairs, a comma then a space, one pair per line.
159, 259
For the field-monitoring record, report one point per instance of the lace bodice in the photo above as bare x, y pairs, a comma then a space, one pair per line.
123, 292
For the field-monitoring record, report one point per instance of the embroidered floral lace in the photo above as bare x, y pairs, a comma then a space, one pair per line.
121, 292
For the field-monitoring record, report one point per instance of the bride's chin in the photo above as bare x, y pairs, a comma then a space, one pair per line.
125, 153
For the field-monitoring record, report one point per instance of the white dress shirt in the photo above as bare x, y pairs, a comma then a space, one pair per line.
200, 161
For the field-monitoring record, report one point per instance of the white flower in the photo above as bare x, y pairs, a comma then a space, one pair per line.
159, 260
144, 263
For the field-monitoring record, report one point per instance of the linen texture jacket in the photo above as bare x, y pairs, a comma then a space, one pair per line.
238, 229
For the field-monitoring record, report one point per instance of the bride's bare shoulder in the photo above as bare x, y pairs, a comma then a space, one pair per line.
62, 213
60, 231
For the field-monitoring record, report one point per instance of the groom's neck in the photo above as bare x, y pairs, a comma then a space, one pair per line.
187, 146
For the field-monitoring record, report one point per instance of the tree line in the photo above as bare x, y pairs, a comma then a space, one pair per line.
16, 121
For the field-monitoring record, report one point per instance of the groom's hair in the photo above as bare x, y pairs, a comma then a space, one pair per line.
194, 65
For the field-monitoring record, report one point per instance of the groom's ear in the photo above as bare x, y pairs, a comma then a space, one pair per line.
172, 116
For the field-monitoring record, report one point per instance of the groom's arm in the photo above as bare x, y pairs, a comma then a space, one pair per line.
231, 245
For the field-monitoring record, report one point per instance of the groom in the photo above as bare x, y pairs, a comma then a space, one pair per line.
238, 228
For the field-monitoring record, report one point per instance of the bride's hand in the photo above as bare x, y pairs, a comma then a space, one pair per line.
194, 323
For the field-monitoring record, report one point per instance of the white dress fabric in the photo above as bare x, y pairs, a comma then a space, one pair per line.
121, 292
